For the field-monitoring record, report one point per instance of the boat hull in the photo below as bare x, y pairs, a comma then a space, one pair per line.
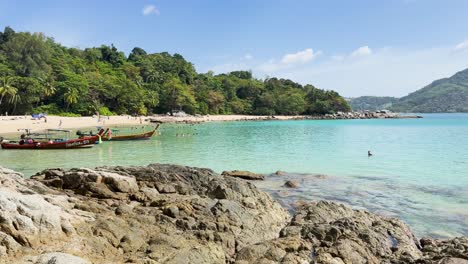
142, 136
85, 142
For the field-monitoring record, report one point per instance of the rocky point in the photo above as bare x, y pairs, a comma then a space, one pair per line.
175, 214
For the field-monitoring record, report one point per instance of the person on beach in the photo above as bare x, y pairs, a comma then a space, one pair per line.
60, 123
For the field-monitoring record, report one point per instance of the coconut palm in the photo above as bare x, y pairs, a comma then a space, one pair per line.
152, 76
71, 97
49, 88
8, 91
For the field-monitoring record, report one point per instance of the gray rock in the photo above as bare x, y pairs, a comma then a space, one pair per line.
246, 175
175, 214
280, 173
291, 184
159, 213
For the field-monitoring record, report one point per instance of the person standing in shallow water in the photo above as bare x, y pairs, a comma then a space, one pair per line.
369, 154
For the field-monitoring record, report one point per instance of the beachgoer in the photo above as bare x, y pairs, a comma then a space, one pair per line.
60, 123
369, 153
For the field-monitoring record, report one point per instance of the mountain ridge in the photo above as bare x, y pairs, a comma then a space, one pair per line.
446, 95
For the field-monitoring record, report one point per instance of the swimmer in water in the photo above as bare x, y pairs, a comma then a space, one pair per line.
369, 153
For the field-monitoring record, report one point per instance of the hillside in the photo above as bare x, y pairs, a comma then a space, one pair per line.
38, 74
444, 95
371, 103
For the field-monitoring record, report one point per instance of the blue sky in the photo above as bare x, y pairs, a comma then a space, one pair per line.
360, 47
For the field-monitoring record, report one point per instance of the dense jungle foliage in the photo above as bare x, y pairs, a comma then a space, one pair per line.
39, 75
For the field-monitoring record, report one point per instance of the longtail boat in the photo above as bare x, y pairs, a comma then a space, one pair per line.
50, 140
115, 135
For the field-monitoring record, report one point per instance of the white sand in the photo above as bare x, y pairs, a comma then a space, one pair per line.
11, 124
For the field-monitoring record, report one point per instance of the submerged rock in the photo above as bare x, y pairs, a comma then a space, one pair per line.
291, 184
280, 173
175, 214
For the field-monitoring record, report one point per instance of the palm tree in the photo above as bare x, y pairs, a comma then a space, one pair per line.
8, 91
152, 76
49, 88
71, 97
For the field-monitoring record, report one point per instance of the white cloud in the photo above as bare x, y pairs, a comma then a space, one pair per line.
462, 46
362, 51
150, 10
300, 57
290, 60
248, 56
389, 71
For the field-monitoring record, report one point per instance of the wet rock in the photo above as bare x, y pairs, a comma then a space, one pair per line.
246, 175
326, 232
445, 251
355, 236
280, 173
291, 184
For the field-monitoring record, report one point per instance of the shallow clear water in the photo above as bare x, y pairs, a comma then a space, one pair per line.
419, 171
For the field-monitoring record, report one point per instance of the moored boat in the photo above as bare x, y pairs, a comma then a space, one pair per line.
117, 135
50, 140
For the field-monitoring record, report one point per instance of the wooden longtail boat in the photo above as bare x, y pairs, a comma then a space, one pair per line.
48, 140
113, 135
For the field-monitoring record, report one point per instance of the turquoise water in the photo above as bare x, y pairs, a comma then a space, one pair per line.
419, 171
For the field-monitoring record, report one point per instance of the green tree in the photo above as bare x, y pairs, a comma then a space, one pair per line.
8, 91
177, 96
71, 97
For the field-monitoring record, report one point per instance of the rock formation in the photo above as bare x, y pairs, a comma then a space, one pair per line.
246, 175
175, 214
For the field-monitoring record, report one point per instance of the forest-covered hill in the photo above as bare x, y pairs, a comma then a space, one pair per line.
38, 74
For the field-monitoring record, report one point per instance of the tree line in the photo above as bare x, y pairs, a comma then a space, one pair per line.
38, 74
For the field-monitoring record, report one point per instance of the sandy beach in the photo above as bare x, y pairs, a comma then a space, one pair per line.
11, 124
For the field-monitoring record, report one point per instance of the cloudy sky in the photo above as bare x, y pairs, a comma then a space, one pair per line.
360, 47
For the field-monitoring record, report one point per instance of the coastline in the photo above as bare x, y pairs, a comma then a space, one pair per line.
11, 124
164, 213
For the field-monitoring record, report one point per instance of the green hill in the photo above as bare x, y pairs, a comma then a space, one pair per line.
38, 74
371, 103
444, 95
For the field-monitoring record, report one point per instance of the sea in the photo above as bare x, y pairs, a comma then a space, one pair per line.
418, 171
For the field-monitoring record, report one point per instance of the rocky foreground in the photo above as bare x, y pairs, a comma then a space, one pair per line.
175, 214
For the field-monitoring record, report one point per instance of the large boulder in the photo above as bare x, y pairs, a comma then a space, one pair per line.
31, 218
176, 214
159, 213
327, 232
